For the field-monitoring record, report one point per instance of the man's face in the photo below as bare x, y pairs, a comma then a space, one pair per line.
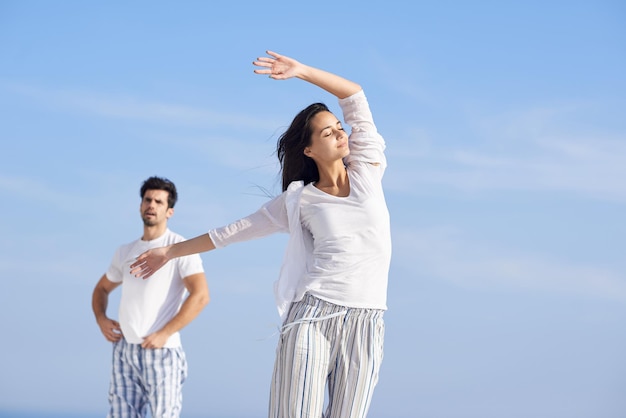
153, 208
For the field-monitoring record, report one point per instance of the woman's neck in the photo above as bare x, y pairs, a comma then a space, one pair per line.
334, 180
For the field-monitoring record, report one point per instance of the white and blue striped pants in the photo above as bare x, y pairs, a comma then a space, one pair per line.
143, 378
325, 344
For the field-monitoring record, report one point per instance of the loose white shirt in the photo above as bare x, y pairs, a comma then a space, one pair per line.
340, 247
147, 305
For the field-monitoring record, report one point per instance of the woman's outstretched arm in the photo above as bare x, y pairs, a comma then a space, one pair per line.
152, 260
281, 67
269, 219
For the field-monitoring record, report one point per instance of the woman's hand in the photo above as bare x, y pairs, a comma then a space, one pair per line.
279, 67
149, 262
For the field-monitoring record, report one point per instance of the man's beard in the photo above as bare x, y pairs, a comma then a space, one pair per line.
148, 221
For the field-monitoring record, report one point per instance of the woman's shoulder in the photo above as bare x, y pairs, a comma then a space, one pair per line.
294, 186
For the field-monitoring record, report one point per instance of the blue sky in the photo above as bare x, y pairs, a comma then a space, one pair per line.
506, 184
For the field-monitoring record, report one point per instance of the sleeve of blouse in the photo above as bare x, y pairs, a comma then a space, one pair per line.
366, 144
269, 219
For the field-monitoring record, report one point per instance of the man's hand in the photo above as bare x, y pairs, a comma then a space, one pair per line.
110, 329
155, 340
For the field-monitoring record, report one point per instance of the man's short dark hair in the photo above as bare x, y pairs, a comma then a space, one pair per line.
160, 183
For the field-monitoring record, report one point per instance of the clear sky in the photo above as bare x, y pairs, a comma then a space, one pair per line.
506, 135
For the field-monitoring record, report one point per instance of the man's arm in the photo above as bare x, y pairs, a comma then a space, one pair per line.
99, 302
197, 299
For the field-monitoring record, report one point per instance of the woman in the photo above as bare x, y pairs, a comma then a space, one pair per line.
331, 291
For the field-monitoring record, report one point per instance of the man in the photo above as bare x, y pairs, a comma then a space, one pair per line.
149, 365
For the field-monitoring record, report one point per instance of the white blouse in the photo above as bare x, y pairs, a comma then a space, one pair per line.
339, 248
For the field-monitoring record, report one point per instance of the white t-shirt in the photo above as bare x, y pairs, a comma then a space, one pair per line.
351, 245
340, 247
147, 305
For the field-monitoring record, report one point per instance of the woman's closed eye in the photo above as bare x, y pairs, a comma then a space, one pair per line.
328, 132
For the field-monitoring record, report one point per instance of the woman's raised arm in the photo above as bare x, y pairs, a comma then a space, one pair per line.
281, 67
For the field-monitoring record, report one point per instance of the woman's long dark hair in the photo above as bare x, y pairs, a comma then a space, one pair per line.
291, 144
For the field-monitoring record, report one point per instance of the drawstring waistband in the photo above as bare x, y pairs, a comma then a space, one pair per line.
290, 325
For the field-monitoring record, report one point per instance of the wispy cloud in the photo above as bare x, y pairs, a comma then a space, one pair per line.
444, 253
230, 142
37, 190
528, 151
130, 107
237, 152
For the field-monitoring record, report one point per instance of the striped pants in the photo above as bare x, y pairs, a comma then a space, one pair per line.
143, 378
326, 346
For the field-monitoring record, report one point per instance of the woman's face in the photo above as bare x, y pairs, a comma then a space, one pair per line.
329, 142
